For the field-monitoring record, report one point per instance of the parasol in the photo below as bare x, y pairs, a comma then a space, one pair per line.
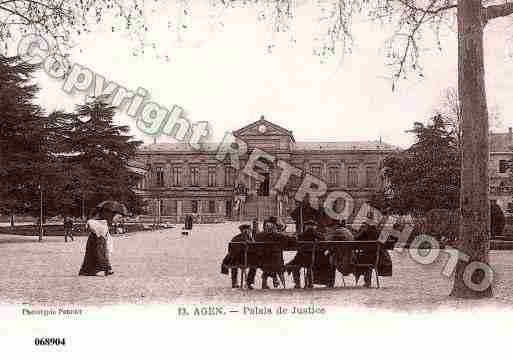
114, 206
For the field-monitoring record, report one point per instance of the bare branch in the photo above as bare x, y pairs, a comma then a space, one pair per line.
495, 11
427, 10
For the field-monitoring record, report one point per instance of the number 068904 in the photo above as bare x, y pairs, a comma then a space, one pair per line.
50, 341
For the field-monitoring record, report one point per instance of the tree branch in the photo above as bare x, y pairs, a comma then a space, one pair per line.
411, 6
495, 11
15, 13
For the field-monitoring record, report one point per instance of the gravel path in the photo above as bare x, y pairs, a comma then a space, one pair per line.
166, 267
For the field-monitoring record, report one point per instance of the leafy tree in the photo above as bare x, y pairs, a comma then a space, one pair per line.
94, 167
24, 154
426, 176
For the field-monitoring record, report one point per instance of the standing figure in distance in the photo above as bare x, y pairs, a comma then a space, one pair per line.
68, 228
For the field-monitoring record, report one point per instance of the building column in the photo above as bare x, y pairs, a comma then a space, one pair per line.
220, 180
168, 181
324, 171
221, 207
342, 173
361, 174
186, 174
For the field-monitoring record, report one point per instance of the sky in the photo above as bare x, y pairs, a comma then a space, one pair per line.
219, 69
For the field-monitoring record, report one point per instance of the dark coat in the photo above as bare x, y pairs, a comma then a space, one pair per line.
369, 257
188, 222
235, 257
324, 270
271, 260
303, 259
497, 220
68, 224
342, 260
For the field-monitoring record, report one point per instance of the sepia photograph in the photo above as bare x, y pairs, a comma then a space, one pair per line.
231, 178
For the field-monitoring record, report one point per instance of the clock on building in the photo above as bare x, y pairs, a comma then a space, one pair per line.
262, 128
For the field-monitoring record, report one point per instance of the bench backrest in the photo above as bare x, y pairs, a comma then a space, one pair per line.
308, 246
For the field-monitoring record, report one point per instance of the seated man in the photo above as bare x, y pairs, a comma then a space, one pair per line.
342, 260
303, 259
271, 260
370, 233
234, 258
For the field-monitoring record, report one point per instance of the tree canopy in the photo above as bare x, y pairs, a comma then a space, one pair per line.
425, 176
24, 153
75, 159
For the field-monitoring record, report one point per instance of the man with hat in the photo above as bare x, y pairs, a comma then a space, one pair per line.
342, 260
234, 258
272, 259
303, 258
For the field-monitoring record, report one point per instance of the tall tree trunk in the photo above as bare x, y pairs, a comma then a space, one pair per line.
474, 204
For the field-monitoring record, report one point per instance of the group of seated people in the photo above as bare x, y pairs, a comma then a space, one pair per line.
270, 260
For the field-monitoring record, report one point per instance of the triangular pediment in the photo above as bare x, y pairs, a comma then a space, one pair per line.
262, 127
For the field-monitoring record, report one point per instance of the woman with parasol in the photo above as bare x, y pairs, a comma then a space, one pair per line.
99, 242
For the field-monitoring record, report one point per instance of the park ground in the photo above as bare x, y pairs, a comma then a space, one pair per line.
166, 267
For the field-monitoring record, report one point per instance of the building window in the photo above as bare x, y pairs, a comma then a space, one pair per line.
195, 176
159, 171
211, 176
370, 177
352, 177
333, 176
194, 206
315, 171
229, 176
503, 166
229, 207
211, 206
172, 207
177, 176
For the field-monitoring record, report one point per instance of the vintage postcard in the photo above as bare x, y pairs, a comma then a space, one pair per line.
236, 178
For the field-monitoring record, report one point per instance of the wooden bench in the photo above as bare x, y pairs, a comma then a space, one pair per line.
259, 248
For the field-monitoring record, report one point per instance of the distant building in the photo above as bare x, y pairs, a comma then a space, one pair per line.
181, 180
501, 184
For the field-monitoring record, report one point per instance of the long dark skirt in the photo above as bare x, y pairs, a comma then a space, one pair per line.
96, 257
324, 271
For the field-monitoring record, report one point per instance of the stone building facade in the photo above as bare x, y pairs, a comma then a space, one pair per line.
181, 180
500, 175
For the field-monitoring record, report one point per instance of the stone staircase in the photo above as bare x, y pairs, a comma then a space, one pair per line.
261, 208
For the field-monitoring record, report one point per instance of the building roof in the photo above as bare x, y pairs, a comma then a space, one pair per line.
297, 146
177, 147
344, 146
262, 121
